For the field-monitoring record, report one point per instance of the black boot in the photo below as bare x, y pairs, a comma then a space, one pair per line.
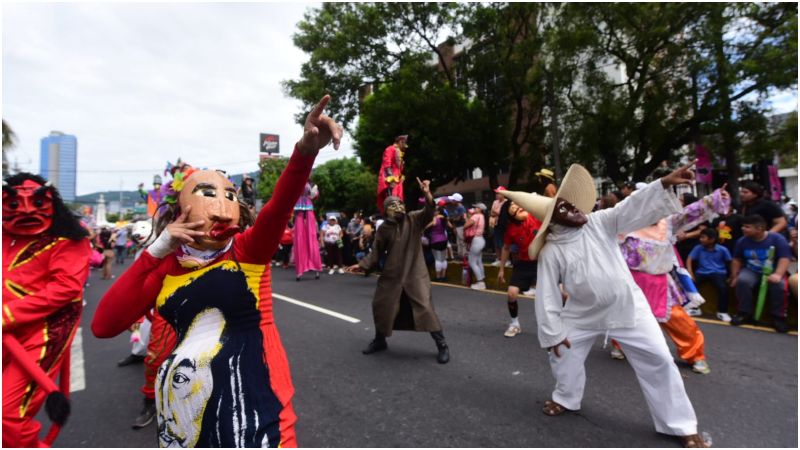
444, 352
377, 345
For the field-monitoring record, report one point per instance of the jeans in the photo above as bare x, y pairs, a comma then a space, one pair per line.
718, 280
747, 282
121, 253
474, 258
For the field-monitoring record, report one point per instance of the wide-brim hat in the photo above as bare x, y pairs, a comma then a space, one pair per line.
547, 173
577, 188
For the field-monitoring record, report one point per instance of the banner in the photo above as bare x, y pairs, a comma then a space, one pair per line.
268, 144
703, 164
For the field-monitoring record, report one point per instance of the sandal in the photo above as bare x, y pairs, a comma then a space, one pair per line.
694, 441
552, 408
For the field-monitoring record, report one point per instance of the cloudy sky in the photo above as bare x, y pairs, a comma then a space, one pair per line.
141, 84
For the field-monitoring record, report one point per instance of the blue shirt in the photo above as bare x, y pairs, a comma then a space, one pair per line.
709, 262
754, 254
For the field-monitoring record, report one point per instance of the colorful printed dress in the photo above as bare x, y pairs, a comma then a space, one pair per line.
651, 257
227, 382
43, 278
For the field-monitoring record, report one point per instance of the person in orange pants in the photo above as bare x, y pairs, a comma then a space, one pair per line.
657, 269
45, 266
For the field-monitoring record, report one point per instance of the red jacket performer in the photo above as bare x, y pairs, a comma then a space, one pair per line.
390, 177
226, 383
45, 265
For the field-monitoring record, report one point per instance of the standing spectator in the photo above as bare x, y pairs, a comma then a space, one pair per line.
121, 245
689, 239
351, 240
332, 236
627, 188
474, 229
365, 239
390, 176
106, 243
753, 202
495, 228
547, 182
438, 240
710, 261
749, 259
247, 192
286, 242
458, 217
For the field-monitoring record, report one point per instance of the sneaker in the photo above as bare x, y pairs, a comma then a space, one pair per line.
146, 416
530, 292
694, 312
701, 367
508, 263
496, 263
340, 270
617, 354
725, 317
330, 272
479, 286
512, 331
130, 359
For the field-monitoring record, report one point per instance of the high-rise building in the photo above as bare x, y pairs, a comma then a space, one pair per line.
59, 162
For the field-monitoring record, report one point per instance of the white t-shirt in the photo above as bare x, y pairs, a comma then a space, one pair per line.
332, 233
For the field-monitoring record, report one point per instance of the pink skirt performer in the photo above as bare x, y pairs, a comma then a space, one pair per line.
306, 242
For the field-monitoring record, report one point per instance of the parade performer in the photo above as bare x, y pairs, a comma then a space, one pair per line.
390, 176
45, 266
403, 296
154, 196
656, 267
582, 252
305, 250
520, 231
227, 382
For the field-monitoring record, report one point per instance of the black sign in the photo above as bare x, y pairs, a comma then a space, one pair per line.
269, 143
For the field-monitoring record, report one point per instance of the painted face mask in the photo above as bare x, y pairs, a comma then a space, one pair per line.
27, 208
568, 215
395, 209
213, 199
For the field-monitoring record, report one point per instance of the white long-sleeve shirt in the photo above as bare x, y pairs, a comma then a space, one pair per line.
587, 260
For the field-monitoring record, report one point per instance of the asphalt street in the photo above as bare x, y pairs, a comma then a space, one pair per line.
489, 395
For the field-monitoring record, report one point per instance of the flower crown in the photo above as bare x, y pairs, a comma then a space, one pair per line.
180, 171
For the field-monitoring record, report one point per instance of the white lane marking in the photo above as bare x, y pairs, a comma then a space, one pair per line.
316, 308
77, 380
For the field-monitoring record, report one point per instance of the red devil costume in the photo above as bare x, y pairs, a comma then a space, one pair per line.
45, 266
391, 171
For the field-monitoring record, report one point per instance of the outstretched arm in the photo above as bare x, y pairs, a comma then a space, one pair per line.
259, 243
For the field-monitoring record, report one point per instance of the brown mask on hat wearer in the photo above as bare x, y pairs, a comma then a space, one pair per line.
395, 209
568, 215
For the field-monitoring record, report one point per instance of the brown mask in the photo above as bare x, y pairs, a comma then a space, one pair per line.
213, 199
568, 215
395, 209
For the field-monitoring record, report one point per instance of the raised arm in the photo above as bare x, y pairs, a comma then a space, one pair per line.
259, 243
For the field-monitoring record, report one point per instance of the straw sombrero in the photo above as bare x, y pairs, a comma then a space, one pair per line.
577, 188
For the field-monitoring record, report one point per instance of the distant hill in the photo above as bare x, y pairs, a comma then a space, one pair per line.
131, 197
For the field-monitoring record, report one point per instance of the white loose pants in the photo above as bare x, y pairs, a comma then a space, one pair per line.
647, 351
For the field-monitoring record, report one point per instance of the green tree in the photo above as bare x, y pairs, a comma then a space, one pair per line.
112, 217
345, 185
271, 169
9, 141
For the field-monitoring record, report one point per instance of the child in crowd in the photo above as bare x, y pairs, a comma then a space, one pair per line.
710, 261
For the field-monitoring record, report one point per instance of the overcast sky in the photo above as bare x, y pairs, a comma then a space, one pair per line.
141, 84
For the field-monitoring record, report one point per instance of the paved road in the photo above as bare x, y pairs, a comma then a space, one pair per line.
489, 395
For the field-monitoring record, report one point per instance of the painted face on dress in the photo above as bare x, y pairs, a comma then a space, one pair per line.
27, 209
185, 382
568, 214
213, 199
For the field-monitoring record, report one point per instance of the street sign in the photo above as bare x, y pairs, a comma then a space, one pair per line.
269, 144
